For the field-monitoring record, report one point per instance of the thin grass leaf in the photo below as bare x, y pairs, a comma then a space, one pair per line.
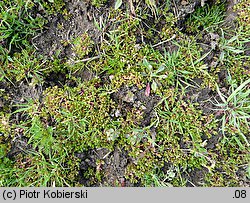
241, 146
118, 4
154, 86
220, 94
238, 89
160, 69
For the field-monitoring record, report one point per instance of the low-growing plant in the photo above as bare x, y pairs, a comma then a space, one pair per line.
82, 45
154, 75
98, 3
160, 179
25, 65
206, 17
234, 110
233, 45
17, 25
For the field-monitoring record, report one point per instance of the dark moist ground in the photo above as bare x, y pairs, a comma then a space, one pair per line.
114, 162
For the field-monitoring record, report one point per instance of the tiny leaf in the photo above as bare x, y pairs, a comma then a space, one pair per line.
154, 86
160, 69
118, 3
147, 91
147, 64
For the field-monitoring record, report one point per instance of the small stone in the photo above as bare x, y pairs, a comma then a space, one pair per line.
214, 64
117, 113
214, 36
184, 3
213, 44
137, 47
111, 77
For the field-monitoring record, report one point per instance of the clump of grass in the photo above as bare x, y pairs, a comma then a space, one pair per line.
34, 169
233, 45
206, 17
235, 109
25, 65
17, 25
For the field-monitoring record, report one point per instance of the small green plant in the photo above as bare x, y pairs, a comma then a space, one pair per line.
53, 7
235, 111
98, 3
159, 179
25, 65
150, 3
82, 45
207, 18
17, 25
154, 75
235, 45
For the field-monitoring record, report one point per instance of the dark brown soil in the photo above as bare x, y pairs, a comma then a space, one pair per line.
113, 164
60, 30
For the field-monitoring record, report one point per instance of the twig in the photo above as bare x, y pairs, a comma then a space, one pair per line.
87, 59
176, 10
106, 155
155, 45
132, 8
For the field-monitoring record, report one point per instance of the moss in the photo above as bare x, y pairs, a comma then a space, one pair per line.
169, 29
228, 162
242, 8
206, 17
98, 3
82, 45
54, 7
